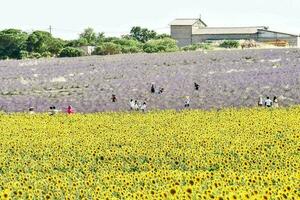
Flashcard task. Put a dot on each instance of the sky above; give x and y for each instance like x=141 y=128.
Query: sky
x=115 y=17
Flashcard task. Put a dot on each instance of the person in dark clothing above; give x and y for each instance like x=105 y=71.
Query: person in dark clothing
x=113 y=98
x=152 y=88
x=31 y=111
x=196 y=85
x=161 y=90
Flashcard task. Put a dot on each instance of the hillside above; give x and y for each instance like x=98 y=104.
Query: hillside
x=226 y=78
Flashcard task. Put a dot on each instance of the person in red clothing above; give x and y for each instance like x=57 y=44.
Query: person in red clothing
x=70 y=110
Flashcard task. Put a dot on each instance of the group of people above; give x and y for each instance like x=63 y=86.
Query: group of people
x=139 y=106
x=268 y=102
x=53 y=110
x=153 y=90
x=135 y=105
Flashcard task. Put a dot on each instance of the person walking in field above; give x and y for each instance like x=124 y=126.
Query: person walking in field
x=31 y=111
x=70 y=110
x=196 y=85
x=136 y=105
x=131 y=104
x=152 y=88
x=143 y=107
x=53 y=110
x=187 y=102
x=113 y=98
x=260 y=102
x=161 y=90
x=268 y=102
x=275 y=102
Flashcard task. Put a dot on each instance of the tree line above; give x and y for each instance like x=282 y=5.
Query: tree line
x=17 y=44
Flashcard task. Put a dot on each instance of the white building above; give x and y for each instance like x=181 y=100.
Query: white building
x=193 y=31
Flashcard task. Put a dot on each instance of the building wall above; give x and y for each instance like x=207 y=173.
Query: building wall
x=88 y=50
x=183 y=35
x=265 y=36
x=203 y=38
x=198 y=25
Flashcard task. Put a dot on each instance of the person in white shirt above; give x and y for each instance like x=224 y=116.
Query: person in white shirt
x=187 y=102
x=53 y=110
x=275 y=103
x=131 y=103
x=260 y=102
x=136 y=105
x=143 y=107
x=268 y=102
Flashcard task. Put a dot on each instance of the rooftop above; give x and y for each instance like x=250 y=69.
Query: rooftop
x=185 y=22
x=228 y=30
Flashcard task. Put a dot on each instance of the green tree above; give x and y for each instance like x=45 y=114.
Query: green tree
x=77 y=43
x=100 y=38
x=42 y=42
x=161 y=36
x=56 y=45
x=89 y=35
x=142 y=34
x=12 y=42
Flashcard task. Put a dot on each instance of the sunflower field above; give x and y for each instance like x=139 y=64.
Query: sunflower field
x=228 y=154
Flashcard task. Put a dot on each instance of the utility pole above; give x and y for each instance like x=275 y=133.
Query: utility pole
x=50 y=29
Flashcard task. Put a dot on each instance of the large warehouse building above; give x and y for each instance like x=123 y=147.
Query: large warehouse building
x=193 y=31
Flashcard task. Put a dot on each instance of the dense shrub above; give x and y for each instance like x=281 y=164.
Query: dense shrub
x=230 y=44
x=33 y=55
x=71 y=52
x=24 y=54
x=108 y=48
x=161 y=45
x=47 y=54
x=129 y=45
x=194 y=47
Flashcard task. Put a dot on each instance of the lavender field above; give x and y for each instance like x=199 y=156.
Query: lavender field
x=226 y=79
